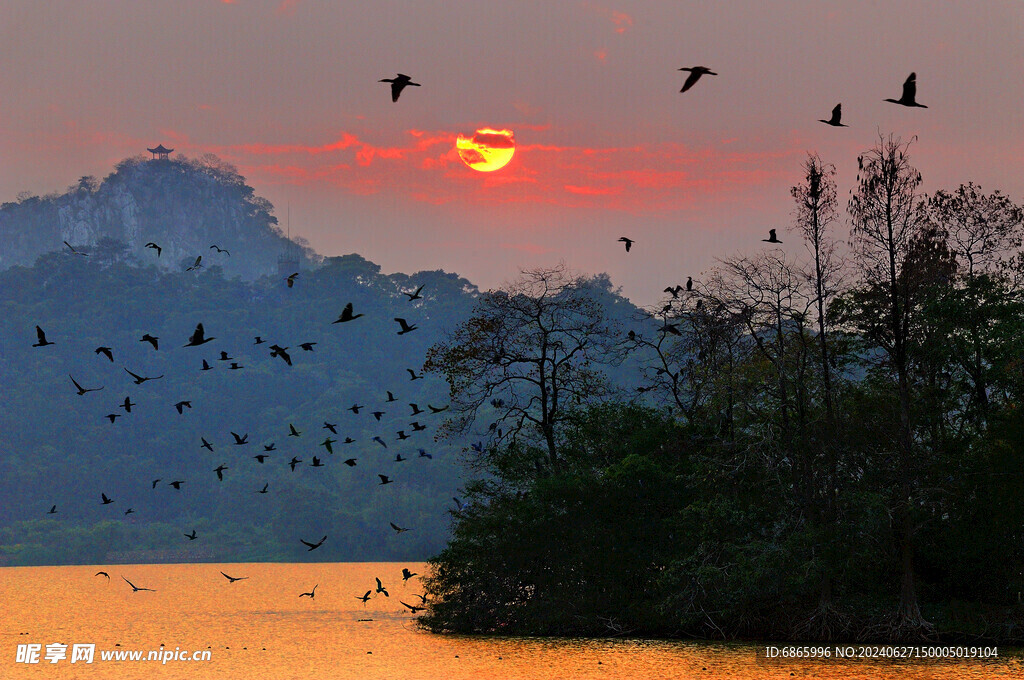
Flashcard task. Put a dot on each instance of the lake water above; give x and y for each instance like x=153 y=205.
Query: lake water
x=260 y=629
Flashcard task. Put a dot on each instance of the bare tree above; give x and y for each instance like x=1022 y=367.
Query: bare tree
x=530 y=352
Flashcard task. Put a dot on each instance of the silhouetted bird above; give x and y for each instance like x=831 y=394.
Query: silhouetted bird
x=346 y=315
x=327 y=444
x=675 y=291
x=265 y=486
x=72 y=249
x=259 y=340
x=293 y=462
x=198 y=264
x=391 y=397
x=52 y=510
x=83 y=390
x=106 y=501
x=191 y=536
x=220 y=471
x=291 y=279
x=402 y=436
x=406 y=328
x=398 y=83
x=307 y=346
x=313 y=546
x=207 y=445
x=424 y=454
x=224 y=357
x=416 y=427
x=458 y=503
x=695 y=73
x=176 y=484
x=412 y=608
x=232 y=579
x=240 y=440
x=435 y=409
x=381 y=588
x=399 y=459
x=398 y=530
x=292 y=432
x=330 y=426
x=384 y=479
x=112 y=416
x=689 y=283
x=135 y=588
x=772 y=238
x=198 y=337
x=206 y=366
x=378 y=414
x=219 y=250
x=909 y=97
x=155 y=482
x=365 y=597
x=181 y=405
x=270 y=447
x=235 y=366
x=139 y=379
x=628 y=241
x=261 y=457
x=351 y=462
x=278 y=351
x=151 y=339
x=348 y=440
x=380 y=441
x=105 y=351
x=316 y=462
x=415 y=295
x=42 y=341
x=155 y=247
x=837 y=115
x=413 y=376
x=354 y=408
x=102 y=573
x=311 y=594
x=129 y=511
x=416 y=410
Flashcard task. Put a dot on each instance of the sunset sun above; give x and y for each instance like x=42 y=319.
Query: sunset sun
x=487 y=150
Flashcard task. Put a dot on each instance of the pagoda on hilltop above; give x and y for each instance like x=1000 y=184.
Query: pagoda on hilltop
x=160 y=152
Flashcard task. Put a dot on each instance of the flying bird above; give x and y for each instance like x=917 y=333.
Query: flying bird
x=206 y=366
x=207 y=445
x=365 y=597
x=177 y=484
x=52 y=510
x=435 y=409
x=354 y=408
x=412 y=608
x=695 y=73
x=415 y=295
x=327 y=445
x=384 y=479
x=412 y=374
x=42 y=338
x=83 y=390
x=259 y=340
x=129 y=511
x=260 y=457
x=837 y=114
x=198 y=264
x=307 y=346
x=181 y=405
x=240 y=440
x=139 y=379
x=311 y=594
x=151 y=339
x=909 y=97
x=278 y=351
x=220 y=471
x=424 y=454
x=330 y=426
x=406 y=328
x=135 y=588
x=235 y=366
x=398 y=529
x=102 y=573
x=105 y=351
x=270 y=447
x=346 y=315
x=398 y=84
x=316 y=462
x=219 y=250
x=106 y=501
x=380 y=587
x=293 y=462
x=416 y=410
x=772 y=238
x=191 y=536
x=351 y=462
x=399 y=459
x=224 y=357
x=155 y=247
x=232 y=579
x=380 y=441
x=292 y=432
x=628 y=241
x=72 y=248
x=313 y=546
x=155 y=482
x=198 y=337
x=265 y=486
x=392 y=397
x=112 y=416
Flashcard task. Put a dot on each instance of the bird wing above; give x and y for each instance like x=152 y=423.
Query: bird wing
x=396 y=89
x=76 y=383
x=837 y=114
x=691 y=80
x=40 y=334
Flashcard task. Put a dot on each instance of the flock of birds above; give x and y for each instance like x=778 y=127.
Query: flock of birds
x=199 y=338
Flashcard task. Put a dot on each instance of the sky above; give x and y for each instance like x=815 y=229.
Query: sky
x=606 y=145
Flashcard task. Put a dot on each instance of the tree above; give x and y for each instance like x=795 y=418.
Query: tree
x=887 y=215
x=529 y=352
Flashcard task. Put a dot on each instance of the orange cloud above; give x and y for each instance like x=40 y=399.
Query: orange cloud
x=620 y=20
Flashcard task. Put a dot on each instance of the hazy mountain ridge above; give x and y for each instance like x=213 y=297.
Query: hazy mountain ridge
x=183 y=205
